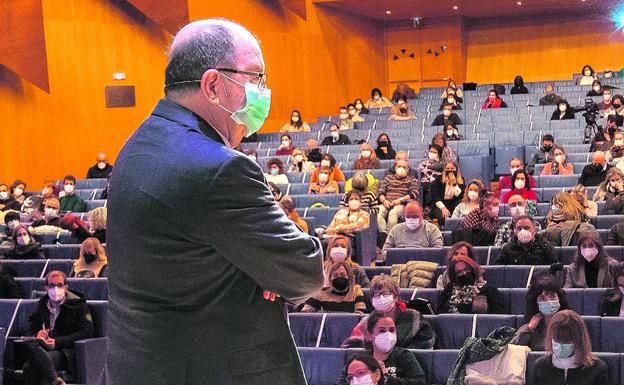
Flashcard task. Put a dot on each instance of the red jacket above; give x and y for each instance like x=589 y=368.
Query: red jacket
x=504 y=182
x=526 y=194
x=497 y=103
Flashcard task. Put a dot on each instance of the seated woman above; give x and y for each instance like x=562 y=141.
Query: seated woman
x=92 y=262
x=580 y=193
x=344 y=295
x=324 y=184
x=362 y=368
x=611 y=305
x=447 y=152
x=348 y=221
x=339 y=251
x=452 y=89
x=612 y=186
x=24 y=245
x=569 y=358
x=527 y=246
x=515 y=164
x=400 y=366
x=588 y=76
x=359 y=107
x=367 y=160
x=494 y=101
x=467 y=291
x=286 y=147
x=384 y=148
x=452 y=133
x=299 y=162
x=592 y=266
x=335 y=173
x=287 y=204
x=447 y=191
x=296 y=123
x=596 y=89
x=4 y=197
x=519 y=87
x=559 y=165
x=276 y=172
x=16 y=195
x=366 y=184
x=413 y=331
x=563 y=111
x=459 y=248
x=485 y=217
x=377 y=100
x=354 y=114
x=402 y=111
x=430 y=169
x=566 y=220
x=450 y=100
x=544 y=298
x=521 y=187
x=470 y=201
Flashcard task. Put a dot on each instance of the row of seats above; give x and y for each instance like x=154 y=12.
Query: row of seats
x=600 y=222
x=323 y=366
x=92 y=288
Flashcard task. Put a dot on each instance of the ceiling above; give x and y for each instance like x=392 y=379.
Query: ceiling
x=471 y=9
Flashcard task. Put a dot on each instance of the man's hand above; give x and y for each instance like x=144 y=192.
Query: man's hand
x=42 y=334
x=51 y=342
x=269 y=296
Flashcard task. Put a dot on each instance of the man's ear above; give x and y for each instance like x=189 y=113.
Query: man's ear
x=208 y=86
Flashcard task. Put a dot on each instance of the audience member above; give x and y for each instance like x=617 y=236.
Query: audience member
x=51 y=214
x=520 y=187
x=544 y=299
x=350 y=220
x=588 y=75
x=61 y=318
x=49 y=190
x=345 y=122
x=515 y=164
x=447 y=191
x=611 y=187
x=616 y=234
x=543 y=155
x=287 y=204
x=447 y=117
x=4 y=197
x=384 y=148
x=452 y=133
x=616 y=109
x=363 y=368
x=354 y=114
x=339 y=250
x=580 y=194
x=559 y=165
x=92 y=262
x=527 y=246
x=415 y=232
x=25 y=246
x=403 y=91
x=359 y=107
x=563 y=111
x=8 y=286
x=462 y=248
x=395 y=190
x=600 y=142
x=519 y=87
x=596 y=90
x=377 y=100
x=286 y=147
x=452 y=89
x=615 y=205
x=368 y=159
x=485 y=217
x=452 y=100
x=517 y=208
x=330 y=162
x=594 y=173
x=467 y=291
x=494 y=101
x=16 y=195
x=566 y=220
x=344 y=295
x=470 y=201
x=607 y=99
x=101 y=169
x=97 y=223
x=70 y=202
x=296 y=124
x=335 y=137
x=275 y=173
x=569 y=358
x=324 y=184
x=11 y=222
x=366 y=184
x=314 y=152
x=592 y=267
x=550 y=99
x=447 y=152
x=611 y=304
x=413 y=331
x=299 y=162
x=402 y=111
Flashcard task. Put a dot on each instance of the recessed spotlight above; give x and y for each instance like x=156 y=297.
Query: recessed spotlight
x=455 y=7
x=519 y=3
x=388 y=12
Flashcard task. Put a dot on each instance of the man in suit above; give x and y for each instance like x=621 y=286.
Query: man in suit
x=195 y=236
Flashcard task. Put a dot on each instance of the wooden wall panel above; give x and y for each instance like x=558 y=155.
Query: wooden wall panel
x=171 y=15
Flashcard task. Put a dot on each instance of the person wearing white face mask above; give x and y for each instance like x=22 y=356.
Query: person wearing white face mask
x=367 y=160
x=527 y=246
x=413 y=331
x=339 y=250
x=612 y=304
x=362 y=369
x=71 y=202
x=24 y=245
x=592 y=267
x=5 y=199
x=299 y=162
x=61 y=318
x=522 y=188
x=569 y=358
x=101 y=169
x=447 y=116
x=377 y=100
x=335 y=137
x=415 y=232
x=349 y=220
x=596 y=90
x=394 y=191
x=345 y=122
x=324 y=183
x=470 y=201
x=399 y=365
x=286 y=147
x=588 y=76
x=559 y=164
x=515 y=164
x=563 y=111
x=607 y=100
x=296 y=123
x=51 y=214
x=517 y=207
x=16 y=195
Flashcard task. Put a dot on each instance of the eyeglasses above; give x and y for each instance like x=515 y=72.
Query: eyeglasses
x=262 y=77
x=358 y=374
x=51 y=285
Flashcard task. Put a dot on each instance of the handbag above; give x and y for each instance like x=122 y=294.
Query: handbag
x=506 y=368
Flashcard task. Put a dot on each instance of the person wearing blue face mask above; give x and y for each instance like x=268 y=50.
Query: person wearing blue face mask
x=275 y=173
x=193 y=231
x=569 y=358
x=544 y=299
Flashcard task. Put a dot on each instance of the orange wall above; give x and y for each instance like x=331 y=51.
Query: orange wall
x=314 y=65
x=542 y=49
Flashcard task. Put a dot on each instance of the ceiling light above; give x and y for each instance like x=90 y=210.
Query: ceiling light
x=388 y=12
x=519 y=3
x=455 y=7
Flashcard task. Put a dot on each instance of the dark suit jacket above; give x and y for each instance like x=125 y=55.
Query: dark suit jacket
x=194 y=237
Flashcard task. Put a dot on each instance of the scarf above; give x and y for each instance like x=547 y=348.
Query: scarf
x=463 y=295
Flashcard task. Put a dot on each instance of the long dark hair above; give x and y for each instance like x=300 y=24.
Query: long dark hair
x=547 y=284
x=300 y=122
x=594 y=237
x=387 y=136
x=368 y=360
x=527 y=184
x=587 y=66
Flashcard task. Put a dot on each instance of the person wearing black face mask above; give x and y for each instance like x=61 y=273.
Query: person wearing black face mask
x=544 y=155
x=467 y=291
x=384 y=148
x=92 y=262
x=343 y=295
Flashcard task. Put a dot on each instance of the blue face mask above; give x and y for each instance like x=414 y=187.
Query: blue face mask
x=562 y=350
x=274 y=171
x=256 y=109
x=548 y=307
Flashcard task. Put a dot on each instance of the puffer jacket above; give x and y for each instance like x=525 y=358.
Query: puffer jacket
x=414 y=274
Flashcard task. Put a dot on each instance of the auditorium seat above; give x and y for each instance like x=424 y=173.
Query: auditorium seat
x=322 y=366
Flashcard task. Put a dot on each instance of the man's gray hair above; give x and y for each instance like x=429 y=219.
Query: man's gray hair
x=211 y=48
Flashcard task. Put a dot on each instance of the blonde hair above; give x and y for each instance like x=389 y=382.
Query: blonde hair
x=570 y=208
x=97 y=218
x=298 y=151
x=460 y=179
x=366 y=146
x=477 y=182
x=95 y=266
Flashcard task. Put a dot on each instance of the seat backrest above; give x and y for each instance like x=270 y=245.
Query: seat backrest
x=436 y=255
x=99 y=312
x=7 y=309
x=305 y=328
x=442 y=364
x=25 y=268
x=62 y=251
x=611 y=340
x=338 y=327
x=322 y=366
